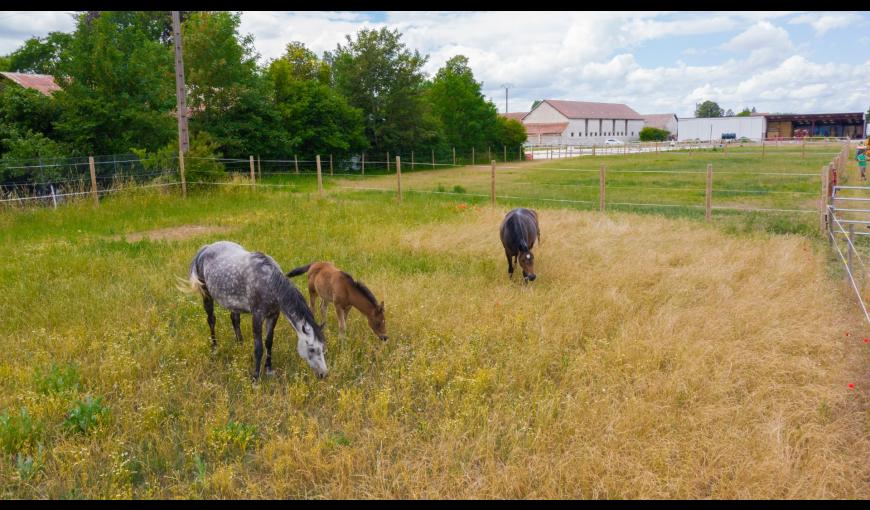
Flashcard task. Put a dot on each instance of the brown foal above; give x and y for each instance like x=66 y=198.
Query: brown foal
x=337 y=287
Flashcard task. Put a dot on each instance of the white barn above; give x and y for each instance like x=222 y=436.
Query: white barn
x=712 y=128
x=579 y=122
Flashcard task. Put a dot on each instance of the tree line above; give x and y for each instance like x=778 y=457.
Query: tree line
x=117 y=77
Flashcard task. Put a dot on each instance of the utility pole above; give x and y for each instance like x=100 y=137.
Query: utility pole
x=506 y=86
x=181 y=104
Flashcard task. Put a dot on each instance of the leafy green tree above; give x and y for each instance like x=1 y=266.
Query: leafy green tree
x=227 y=94
x=509 y=132
x=28 y=109
x=381 y=77
x=652 y=134
x=121 y=85
x=468 y=120
x=300 y=64
x=41 y=55
x=200 y=164
x=744 y=113
x=708 y=109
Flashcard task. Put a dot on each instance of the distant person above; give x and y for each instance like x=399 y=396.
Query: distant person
x=861 y=157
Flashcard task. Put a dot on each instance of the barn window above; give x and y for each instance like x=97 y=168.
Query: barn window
x=572 y=134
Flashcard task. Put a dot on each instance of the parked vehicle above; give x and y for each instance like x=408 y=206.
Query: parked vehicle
x=612 y=141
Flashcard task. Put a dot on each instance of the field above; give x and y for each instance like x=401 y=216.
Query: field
x=656 y=356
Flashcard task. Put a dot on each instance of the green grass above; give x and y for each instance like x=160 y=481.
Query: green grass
x=654 y=357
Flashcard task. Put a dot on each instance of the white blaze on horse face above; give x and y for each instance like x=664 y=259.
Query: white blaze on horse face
x=310 y=349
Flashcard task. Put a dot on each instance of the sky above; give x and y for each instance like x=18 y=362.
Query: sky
x=655 y=62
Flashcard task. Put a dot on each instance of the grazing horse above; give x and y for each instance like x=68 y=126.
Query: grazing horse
x=337 y=287
x=246 y=282
x=519 y=231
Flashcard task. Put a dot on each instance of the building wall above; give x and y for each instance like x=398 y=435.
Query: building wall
x=700 y=128
x=544 y=113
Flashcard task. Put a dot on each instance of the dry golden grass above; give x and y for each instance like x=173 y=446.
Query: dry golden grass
x=652 y=358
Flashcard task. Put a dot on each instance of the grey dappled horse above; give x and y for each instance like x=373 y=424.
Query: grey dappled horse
x=246 y=282
x=518 y=232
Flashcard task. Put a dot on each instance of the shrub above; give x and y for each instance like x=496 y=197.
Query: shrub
x=17 y=431
x=85 y=414
x=234 y=437
x=199 y=162
x=56 y=379
x=651 y=134
x=458 y=189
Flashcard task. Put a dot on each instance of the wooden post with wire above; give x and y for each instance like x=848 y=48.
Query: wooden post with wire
x=412 y=160
x=180 y=170
x=454 y=156
x=259 y=168
x=492 y=189
x=94 y=179
x=708 y=196
x=433 y=158
x=296 y=163
x=319 y=177
x=330 y=164
x=472 y=156
x=363 y=163
x=823 y=200
x=505 y=153
x=602 y=174
x=399 y=176
x=253 y=176
x=388 y=162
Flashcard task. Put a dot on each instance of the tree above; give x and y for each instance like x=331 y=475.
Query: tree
x=753 y=109
x=651 y=134
x=121 y=85
x=467 y=119
x=708 y=109
x=729 y=113
x=535 y=103
x=745 y=113
x=227 y=95
x=41 y=55
x=377 y=74
x=510 y=132
x=299 y=63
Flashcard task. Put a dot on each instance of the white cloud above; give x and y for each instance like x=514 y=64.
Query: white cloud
x=821 y=23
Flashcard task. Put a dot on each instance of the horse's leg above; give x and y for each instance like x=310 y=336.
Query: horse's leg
x=341 y=312
x=324 y=308
x=237 y=325
x=270 y=331
x=257 y=322
x=510 y=266
x=208 y=304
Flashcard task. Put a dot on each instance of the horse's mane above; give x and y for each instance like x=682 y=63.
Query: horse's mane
x=519 y=237
x=360 y=286
x=289 y=297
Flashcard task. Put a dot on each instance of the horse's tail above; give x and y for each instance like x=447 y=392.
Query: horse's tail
x=193 y=284
x=299 y=270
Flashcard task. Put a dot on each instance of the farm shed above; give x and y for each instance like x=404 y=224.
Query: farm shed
x=849 y=125
x=584 y=122
x=43 y=83
x=666 y=121
x=712 y=128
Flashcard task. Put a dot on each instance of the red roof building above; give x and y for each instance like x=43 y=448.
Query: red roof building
x=43 y=83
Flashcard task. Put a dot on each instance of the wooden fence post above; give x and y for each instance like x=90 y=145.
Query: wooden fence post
x=489 y=152
x=330 y=164
x=454 y=156
x=492 y=190
x=412 y=160
x=399 y=176
x=296 y=163
x=181 y=170
x=319 y=177
x=364 y=163
x=601 y=186
x=433 y=158
x=472 y=156
x=259 y=168
x=253 y=177
x=823 y=200
x=708 y=200
x=388 y=162
x=94 y=179
x=53 y=197
x=505 y=153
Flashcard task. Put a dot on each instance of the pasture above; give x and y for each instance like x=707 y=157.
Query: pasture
x=656 y=356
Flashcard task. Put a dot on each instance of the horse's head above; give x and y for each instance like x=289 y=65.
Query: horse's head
x=378 y=323
x=312 y=347
x=527 y=263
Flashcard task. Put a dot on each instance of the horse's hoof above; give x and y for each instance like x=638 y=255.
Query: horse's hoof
x=270 y=372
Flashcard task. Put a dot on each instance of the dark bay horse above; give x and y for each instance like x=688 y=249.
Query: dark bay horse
x=337 y=287
x=519 y=231
x=246 y=282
